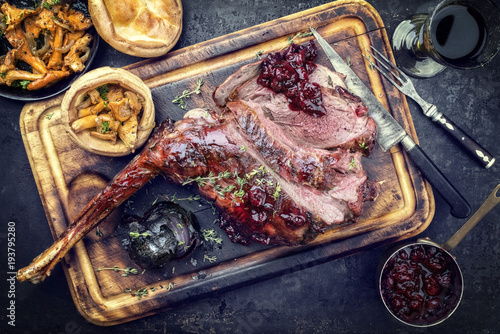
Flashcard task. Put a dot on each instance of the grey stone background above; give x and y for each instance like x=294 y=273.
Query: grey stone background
x=336 y=297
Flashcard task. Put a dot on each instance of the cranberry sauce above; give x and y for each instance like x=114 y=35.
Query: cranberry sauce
x=421 y=284
x=288 y=73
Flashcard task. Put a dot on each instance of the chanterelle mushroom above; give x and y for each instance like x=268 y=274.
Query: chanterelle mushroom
x=50 y=39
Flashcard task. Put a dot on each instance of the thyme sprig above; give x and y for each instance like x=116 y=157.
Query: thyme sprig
x=210 y=259
x=291 y=39
x=210 y=235
x=180 y=99
x=237 y=191
x=143 y=292
x=136 y=234
x=277 y=192
x=126 y=271
x=175 y=199
x=348 y=61
x=352 y=164
x=212 y=179
x=140 y=293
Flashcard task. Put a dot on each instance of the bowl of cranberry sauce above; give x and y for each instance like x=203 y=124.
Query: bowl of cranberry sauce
x=421 y=284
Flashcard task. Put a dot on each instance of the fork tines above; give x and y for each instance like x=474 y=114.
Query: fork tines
x=389 y=71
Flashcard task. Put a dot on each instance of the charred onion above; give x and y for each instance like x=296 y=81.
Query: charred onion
x=166 y=232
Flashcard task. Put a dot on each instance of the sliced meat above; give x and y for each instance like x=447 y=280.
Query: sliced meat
x=345 y=125
x=263 y=166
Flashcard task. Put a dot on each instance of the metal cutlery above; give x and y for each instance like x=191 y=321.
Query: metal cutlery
x=390 y=133
x=404 y=84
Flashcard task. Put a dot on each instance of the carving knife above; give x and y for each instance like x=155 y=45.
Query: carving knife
x=390 y=133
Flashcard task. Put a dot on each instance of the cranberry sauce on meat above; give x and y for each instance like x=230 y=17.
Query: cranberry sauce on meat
x=343 y=123
x=288 y=73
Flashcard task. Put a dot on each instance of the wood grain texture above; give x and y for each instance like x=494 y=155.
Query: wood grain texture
x=66 y=176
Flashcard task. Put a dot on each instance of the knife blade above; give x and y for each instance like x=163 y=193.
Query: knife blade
x=390 y=132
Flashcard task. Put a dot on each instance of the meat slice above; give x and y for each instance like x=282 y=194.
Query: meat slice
x=316 y=168
x=244 y=74
x=345 y=124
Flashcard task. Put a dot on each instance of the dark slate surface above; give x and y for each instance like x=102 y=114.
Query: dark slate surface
x=336 y=297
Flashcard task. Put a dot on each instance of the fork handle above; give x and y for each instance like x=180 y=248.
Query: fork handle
x=462 y=138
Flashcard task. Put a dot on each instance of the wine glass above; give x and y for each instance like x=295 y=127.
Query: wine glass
x=462 y=34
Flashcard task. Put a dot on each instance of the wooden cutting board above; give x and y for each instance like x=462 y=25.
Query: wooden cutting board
x=67 y=177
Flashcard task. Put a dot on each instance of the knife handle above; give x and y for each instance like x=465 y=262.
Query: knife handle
x=462 y=138
x=460 y=208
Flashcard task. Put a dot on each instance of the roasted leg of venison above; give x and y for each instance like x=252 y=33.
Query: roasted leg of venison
x=282 y=198
x=277 y=175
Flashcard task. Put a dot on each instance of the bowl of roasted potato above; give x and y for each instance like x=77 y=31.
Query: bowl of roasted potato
x=44 y=47
x=108 y=111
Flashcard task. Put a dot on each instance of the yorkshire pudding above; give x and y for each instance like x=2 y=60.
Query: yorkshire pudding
x=138 y=27
x=108 y=111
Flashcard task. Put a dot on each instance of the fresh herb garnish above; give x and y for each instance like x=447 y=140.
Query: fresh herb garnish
x=143 y=292
x=211 y=178
x=254 y=172
x=277 y=192
x=258 y=54
x=211 y=236
x=21 y=84
x=330 y=81
x=236 y=191
x=140 y=293
x=299 y=34
x=291 y=38
x=348 y=61
x=126 y=271
x=190 y=198
x=352 y=164
x=103 y=91
x=105 y=127
x=210 y=259
x=135 y=234
x=179 y=99
x=49 y=3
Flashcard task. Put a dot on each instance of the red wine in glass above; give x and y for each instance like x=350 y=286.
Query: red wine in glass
x=460 y=34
